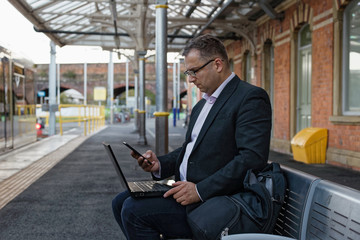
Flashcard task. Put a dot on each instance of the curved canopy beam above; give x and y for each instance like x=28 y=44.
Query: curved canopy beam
x=130 y=24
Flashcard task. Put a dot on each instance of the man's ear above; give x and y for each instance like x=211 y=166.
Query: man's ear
x=219 y=64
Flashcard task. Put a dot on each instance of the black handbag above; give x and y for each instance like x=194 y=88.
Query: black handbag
x=253 y=210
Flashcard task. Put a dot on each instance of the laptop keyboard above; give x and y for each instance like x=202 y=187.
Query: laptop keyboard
x=147 y=186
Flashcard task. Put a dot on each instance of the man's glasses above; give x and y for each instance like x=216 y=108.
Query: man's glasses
x=193 y=72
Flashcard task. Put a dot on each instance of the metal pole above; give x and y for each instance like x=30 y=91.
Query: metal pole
x=127 y=84
x=85 y=83
x=161 y=114
x=174 y=94
x=141 y=112
x=136 y=96
x=9 y=98
x=111 y=87
x=178 y=90
x=52 y=89
x=58 y=84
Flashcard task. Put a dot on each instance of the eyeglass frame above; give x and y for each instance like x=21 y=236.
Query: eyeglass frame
x=192 y=73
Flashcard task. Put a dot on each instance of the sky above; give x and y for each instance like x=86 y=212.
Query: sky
x=17 y=34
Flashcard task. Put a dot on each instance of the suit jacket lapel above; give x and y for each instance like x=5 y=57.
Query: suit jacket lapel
x=220 y=101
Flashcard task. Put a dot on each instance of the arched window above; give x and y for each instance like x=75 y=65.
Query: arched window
x=231 y=62
x=268 y=73
x=351 y=59
x=304 y=78
x=247 y=66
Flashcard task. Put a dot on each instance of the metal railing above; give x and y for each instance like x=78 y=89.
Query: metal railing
x=92 y=116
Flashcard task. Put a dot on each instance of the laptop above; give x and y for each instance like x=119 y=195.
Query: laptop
x=138 y=189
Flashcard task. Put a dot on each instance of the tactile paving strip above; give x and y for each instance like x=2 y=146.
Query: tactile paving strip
x=16 y=184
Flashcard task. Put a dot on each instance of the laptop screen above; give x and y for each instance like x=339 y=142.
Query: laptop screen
x=113 y=159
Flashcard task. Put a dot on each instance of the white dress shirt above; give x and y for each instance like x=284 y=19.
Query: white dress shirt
x=210 y=100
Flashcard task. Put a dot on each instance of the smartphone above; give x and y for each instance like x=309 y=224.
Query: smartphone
x=136 y=152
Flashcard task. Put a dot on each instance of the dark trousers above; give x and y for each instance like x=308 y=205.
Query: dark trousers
x=147 y=218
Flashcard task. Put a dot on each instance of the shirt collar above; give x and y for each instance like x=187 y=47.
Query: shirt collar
x=211 y=99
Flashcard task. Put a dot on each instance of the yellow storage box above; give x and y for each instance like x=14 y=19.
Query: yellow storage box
x=309 y=145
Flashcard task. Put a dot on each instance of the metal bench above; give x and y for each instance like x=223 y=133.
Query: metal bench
x=314 y=209
x=334 y=213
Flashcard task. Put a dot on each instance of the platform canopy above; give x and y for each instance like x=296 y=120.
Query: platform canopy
x=130 y=24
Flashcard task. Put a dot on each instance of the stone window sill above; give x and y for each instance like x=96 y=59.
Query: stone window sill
x=345 y=120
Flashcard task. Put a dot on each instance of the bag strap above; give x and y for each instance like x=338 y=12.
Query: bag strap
x=275 y=166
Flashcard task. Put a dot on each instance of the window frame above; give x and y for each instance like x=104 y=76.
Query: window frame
x=346 y=60
x=303 y=29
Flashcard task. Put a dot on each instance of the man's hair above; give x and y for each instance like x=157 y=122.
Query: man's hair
x=208 y=46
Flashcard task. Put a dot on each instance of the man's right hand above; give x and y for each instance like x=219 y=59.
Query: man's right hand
x=150 y=164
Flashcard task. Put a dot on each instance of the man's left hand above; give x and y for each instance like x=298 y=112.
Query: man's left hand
x=184 y=193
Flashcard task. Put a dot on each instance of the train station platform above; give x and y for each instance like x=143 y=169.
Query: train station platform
x=65 y=192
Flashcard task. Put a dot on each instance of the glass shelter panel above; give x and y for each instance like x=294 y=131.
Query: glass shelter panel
x=24 y=116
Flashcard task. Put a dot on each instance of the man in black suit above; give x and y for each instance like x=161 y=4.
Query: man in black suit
x=228 y=134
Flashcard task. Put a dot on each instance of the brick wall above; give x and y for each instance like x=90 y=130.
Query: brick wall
x=343 y=137
x=281 y=106
x=72 y=77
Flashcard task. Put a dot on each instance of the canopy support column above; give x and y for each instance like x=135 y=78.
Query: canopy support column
x=161 y=114
x=142 y=112
x=52 y=90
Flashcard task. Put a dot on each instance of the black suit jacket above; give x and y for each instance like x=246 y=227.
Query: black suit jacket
x=235 y=137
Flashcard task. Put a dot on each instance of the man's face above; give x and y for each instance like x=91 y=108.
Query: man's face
x=207 y=78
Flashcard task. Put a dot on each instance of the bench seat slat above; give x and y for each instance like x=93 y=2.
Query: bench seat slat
x=290 y=218
x=334 y=212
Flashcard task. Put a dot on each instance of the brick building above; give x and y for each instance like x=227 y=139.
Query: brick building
x=72 y=77
x=309 y=64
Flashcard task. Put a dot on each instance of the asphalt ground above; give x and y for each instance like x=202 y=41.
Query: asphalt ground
x=73 y=199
